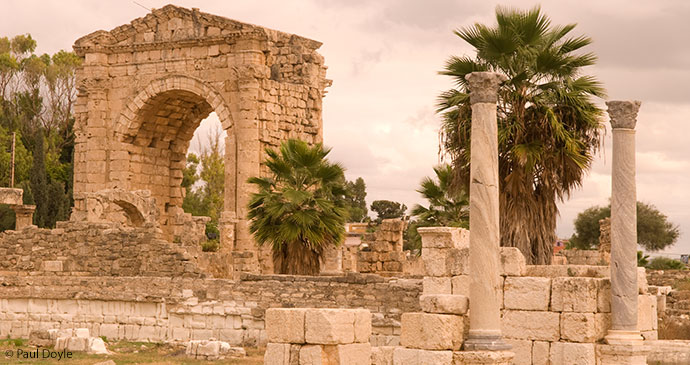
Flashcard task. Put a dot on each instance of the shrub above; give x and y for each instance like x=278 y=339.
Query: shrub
x=212 y=232
x=210 y=245
x=665 y=263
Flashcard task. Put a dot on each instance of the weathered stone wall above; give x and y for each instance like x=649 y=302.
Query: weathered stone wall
x=385 y=254
x=93 y=249
x=144 y=87
x=583 y=257
x=180 y=309
x=673 y=301
x=553 y=313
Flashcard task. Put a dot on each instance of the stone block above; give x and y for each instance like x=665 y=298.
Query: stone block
x=285 y=325
x=431 y=331
x=540 y=353
x=405 y=356
x=527 y=293
x=435 y=261
x=53 y=266
x=650 y=335
x=277 y=354
x=630 y=355
x=512 y=262
x=329 y=326
x=522 y=350
x=436 y=285
x=483 y=357
x=444 y=303
x=578 y=327
x=444 y=237
x=529 y=325
x=566 y=353
x=575 y=294
x=349 y=354
x=460 y=285
x=362 y=325
x=457 y=261
x=382 y=355
x=604 y=295
x=312 y=355
x=602 y=324
x=646 y=312
x=642 y=286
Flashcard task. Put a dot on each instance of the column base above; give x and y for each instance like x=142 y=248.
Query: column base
x=622 y=354
x=485 y=342
x=623 y=337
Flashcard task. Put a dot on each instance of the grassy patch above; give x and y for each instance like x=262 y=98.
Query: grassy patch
x=682 y=284
x=124 y=352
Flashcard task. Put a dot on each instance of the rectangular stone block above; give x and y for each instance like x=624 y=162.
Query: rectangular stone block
x=362 y=325
x=405 y=356
x=527 y=293
x=460 y=285
x=285 y=325
x=512 y=262
x=329 y=326
x=435 y=261
x=436 y=285
x=350 y=354
x=522 y=350
x=431 y=331
x=574 y=294
x=444 y=303
x=529 y=325
x=540 y=352
x=646 y=312
x=458 y=261
x=277 y=354
x=602 y=324
x=382 y=355
x=444 y=237
x=483 y=357
x=53 y=266
x=566 y=353
x=604 y=295
x=578 y=327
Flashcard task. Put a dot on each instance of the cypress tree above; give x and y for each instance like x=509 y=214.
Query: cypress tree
x=39 y=182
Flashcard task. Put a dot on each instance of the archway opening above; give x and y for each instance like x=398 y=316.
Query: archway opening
x=158 y=142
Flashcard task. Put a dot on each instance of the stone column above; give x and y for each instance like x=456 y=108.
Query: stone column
x=24 y=215
x=624 y=288
x=485 y=309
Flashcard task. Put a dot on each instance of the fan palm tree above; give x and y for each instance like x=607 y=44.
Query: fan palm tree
x=299 y=209
x=447 y=208
x=548 y=127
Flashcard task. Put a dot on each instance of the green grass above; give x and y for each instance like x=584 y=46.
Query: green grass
x=125 y=353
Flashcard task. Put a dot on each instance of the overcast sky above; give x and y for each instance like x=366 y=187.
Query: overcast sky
x=383 y=57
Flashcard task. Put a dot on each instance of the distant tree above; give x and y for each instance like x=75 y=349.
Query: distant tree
x=386 y=209
x=39 y=183
x=665 y=263
x=355 y=200
x=299 y=209
x=447 y=207
x=654 y=231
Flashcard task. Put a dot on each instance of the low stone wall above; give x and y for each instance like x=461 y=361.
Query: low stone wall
x=583 y=257
x=182 y=309
x=93 y=249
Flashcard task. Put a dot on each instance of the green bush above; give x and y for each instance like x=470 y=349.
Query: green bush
x=210 y=246
x=212 y=231
x=665 y=263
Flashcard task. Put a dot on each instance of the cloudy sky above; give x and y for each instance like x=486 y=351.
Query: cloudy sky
x=384 y=56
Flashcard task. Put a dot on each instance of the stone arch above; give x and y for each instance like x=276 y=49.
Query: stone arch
x=155 y=129
x=136 y=207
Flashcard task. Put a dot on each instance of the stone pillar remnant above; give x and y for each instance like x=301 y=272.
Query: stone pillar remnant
x=624 y=288
x=485 y=309
x=24 y=215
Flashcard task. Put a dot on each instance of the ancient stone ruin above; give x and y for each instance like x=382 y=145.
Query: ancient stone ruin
x=128 y=264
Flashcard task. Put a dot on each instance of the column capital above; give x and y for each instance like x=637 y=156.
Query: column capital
x=623 y=113
x=484 y=86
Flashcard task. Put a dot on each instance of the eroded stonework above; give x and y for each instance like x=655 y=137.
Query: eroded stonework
x=144 y=87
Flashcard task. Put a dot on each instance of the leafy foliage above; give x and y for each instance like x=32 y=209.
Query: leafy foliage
x=642 y=259
x=355 y=200
x=300 y=208
x=665 y=263
x=386 y=209
x=204 y=181
x=37 y=94
x=447 y=207
x=654 y=231
x=548 y=126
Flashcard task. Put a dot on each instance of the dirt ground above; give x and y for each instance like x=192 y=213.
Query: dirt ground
x=16 y=352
